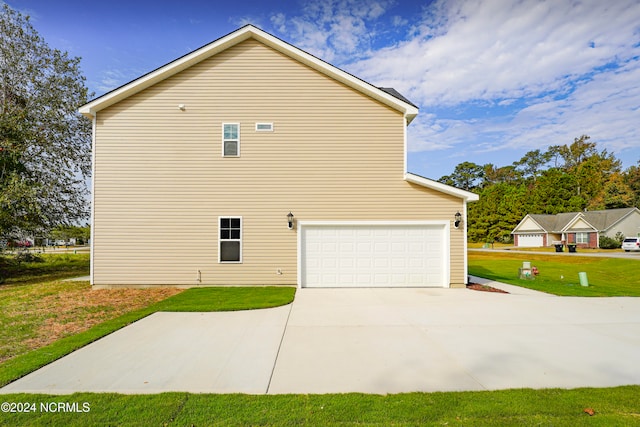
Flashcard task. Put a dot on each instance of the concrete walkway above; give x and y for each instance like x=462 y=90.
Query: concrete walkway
x=365 y=340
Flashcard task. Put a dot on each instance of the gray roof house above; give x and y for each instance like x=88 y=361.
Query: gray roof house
x=581 y=228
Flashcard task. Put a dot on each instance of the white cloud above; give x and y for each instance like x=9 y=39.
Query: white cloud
x=492 y=75
x=606 y=107
x=487 y=49
x=334 y=30
x=112 y=79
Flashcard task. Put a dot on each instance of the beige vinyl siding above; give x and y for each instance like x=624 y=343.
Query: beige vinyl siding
x=161 y=181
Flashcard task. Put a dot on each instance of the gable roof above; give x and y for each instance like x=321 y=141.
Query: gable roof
x=579 y=223
x=599 y=220
x=389 y=97
x=603 y=220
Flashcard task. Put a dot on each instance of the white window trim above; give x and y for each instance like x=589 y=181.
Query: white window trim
x=582 y=234
x=270 y=124
x=237 y=140
x=230 y=240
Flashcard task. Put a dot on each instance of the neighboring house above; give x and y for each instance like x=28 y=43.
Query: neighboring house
x=198 y=164
x=581 y=228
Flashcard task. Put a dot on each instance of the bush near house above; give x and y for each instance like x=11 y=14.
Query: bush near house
x=606 y=242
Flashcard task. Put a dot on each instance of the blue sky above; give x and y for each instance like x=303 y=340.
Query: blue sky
x=493 y=78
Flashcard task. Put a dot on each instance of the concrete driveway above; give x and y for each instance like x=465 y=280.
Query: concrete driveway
x=364 y=340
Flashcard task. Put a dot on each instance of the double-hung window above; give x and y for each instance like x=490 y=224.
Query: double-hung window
x=230 y=238
x=231 y=139
x=582 y=237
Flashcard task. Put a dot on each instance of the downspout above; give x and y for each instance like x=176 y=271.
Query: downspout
x=404 y=135
x=93 y=196
x=466 y=253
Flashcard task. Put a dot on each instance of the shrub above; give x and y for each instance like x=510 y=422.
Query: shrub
x=609 y=243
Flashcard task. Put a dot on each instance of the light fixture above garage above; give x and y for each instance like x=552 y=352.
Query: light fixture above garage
x=290 y=220
x=457 y=219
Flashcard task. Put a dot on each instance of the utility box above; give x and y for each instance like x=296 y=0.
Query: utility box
x=526 y=272
x=583 y=278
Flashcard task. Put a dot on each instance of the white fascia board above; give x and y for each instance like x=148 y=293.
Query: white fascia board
x=567 y=228
x=515 y=230
x=164 y=72
x=467 y=196
x=238 y=36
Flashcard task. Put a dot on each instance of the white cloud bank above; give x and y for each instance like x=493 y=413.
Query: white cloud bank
x=492 y=74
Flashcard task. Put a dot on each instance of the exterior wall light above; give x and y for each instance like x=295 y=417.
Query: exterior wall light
x=290 y=220
x=457 y=220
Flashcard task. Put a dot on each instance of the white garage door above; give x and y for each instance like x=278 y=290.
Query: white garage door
x=529 y=240
x=368 y=255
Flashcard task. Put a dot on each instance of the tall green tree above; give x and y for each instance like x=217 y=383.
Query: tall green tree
x=45 y=145
x=576 y=153
x=615 y=194
x=632 y=180
x=500 y=208
x=565 y=178
x=532 y=163
x=466 y=175
x=556 y=191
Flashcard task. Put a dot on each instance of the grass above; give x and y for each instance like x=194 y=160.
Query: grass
x=34 y=315
x=49 y=267
x=227 y=299
x=552 y=407
x=196 y=299
x=559 y=274
x=617 y=406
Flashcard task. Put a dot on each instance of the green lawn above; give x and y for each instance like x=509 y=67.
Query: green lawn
x=227 y=299
x=196 y=299
x=617 y=406
x=48 y=267
x=559 y=274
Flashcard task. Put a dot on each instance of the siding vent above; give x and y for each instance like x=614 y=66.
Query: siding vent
x=264 y=127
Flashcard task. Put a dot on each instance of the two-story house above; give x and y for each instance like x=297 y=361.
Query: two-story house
x=251 y=162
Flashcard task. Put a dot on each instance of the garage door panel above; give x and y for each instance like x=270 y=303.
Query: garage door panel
x=379 y=256
x=530 y=240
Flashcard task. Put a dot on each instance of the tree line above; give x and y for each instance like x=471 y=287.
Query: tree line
x=564 y=178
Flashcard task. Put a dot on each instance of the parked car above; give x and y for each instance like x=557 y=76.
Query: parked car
x=631 y=244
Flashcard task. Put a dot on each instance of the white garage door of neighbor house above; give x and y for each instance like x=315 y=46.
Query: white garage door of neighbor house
x=374 y=255
x=529 y=240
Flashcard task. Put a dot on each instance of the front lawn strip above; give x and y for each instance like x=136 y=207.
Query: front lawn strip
x=558 y=274
x=195 y=299
x=617 y=406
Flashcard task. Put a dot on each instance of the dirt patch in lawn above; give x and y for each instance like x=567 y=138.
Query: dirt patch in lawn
x=71 y=309
x=485 y=288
